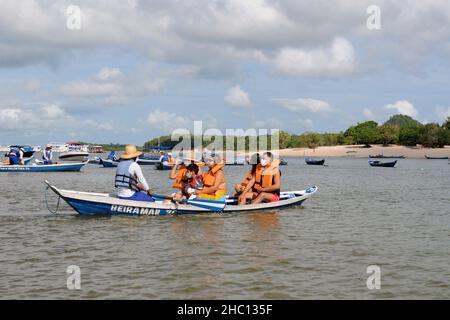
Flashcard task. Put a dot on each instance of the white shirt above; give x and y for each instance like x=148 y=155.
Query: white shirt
x=136 y=172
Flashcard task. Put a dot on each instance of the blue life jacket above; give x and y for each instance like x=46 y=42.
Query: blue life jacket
x=123 y=177
x=165 y=158
x=15 y=151
x=47 y=154
x=111 y=156
x=13 y=159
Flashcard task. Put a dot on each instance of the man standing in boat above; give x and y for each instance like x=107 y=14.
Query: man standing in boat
x=15 y=156
x=47 y=155
x=130 y=181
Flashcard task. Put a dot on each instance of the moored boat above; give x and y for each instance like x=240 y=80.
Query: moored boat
x=106 y=163
x=161 y=166
x=42 y=167
x=147 y=161
x=380 y=156
x=86 y=203
x=376 y=163
x=315 y=162
x=76 y=156
x=436 y=158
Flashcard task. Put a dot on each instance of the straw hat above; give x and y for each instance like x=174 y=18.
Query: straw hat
x=131 y=152
x=48 y=146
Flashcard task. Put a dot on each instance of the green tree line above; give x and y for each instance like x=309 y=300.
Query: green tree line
x=399 y=129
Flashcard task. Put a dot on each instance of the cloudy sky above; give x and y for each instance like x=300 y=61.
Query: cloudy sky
x=136 y=69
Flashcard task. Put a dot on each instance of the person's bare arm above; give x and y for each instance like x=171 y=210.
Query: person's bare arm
x=173 y=173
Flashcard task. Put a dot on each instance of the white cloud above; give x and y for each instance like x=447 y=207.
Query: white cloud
x=53 y=111
x=114 y=87
x=199 y=33
x=89 y=89
x=305 y=105
x=167 y=121
x=336 y=60
x=443 y=112
x=170 y=121
x=237 y=97
x=108 y=74
x=403 y=107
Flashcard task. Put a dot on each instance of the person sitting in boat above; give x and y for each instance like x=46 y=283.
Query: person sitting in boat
x=240 y=187
x=47 y=155
x=191 y=181
x=214 y=182
x=267 y=181
x=130 y=181
x=112 y=156
x=15 y=156
x=164 y=159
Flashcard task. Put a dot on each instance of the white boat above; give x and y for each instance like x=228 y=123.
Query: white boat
x=87 y=203
x=59 y=147
x=77 y=156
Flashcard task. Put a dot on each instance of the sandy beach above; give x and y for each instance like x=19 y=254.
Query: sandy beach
x=360 y=152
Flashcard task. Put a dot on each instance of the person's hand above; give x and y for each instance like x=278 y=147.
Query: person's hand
x=258 y=188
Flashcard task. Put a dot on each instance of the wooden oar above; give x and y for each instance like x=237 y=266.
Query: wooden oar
x=212 y=205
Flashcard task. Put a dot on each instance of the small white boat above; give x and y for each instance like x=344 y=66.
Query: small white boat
x=77 y=156
x=87 y=203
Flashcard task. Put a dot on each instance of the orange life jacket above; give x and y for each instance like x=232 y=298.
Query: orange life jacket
x=180 y=179
x=210 y=177
x=264 y=177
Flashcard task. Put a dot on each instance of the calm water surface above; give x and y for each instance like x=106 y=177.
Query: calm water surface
x=396 y=218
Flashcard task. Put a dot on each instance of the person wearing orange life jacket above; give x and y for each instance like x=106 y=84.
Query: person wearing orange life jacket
x=240 y=187
x=267 y=181
x=214 y=182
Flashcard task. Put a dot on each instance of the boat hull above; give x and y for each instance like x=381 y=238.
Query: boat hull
x=386 y=157
x=313 y=162
x=108 y=163
x=74 y=156
x=90 y=204
x=42 y=168
x=436 y=158
x=148 y=162
x=160 y=166
x=383 y=164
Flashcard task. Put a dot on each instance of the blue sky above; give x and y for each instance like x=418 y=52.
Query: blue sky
x=137 y=69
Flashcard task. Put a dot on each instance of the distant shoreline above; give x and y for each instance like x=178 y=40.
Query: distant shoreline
x=358 y=151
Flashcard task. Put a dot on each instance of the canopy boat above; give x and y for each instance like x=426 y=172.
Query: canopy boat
x=76 y=156
x=380 y=156
x=86 y=203
x=436 y=158
x=28 y=151
x=376 y=163
x=106 y=163
x=315 y=162
x=38 y=167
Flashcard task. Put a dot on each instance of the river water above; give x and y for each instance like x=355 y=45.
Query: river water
x=397 y=219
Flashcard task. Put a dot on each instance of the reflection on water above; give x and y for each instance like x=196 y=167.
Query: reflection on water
x=396 y=218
